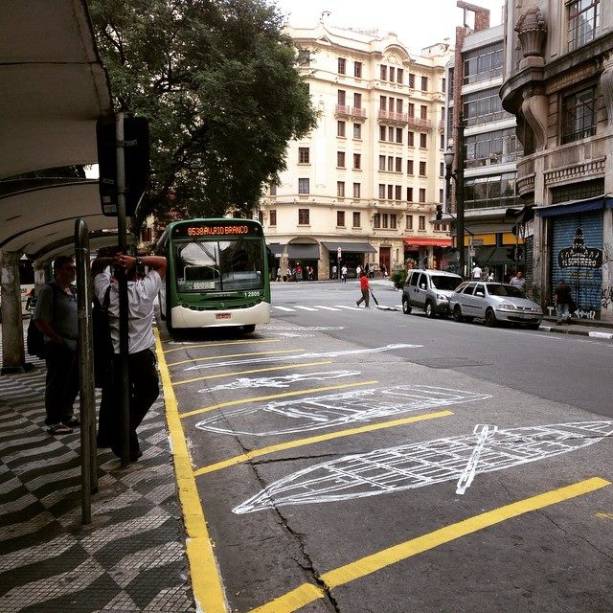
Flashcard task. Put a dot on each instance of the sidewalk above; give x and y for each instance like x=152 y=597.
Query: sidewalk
x=132 y=556
x=580 y=327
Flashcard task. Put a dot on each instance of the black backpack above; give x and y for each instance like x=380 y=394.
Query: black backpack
x=35 y=341
x=103 y=344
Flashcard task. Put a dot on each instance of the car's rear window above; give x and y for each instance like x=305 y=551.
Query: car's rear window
x=444 y=282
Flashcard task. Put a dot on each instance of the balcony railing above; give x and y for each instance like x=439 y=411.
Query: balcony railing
x=419 y=124
x=353 y=112
x=392 y=117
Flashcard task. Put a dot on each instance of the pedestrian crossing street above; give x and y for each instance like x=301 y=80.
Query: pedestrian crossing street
x=338 y=308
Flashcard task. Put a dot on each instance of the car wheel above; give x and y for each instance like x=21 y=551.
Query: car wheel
x=430 y=310
x=249 y=329
x=457 y=314
x=534 y=326
x=406 y=307
x=490 y=318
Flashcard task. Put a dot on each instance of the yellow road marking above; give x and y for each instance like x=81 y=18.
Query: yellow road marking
x=206 y=580
x=250 y=372
x=599 y=515
x=311 y=440
x=307 y=592
x=230 y=403
x=234 y=355
x=207 y=345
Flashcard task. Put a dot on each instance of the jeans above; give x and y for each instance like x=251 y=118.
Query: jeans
x=62 y=383
x=562 y=310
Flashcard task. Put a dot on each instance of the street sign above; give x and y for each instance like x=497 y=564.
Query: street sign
x=339 y=253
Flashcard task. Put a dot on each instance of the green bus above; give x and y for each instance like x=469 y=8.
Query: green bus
x=217 y=274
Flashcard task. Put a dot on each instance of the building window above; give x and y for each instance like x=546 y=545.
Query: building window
x=482 y=107
x=398 y=164
x=303 y=155
x=409 y=194
x=383 y=73
x=491 y=191
x=583 y=18
x=342 y=65
x=579 y=115
x=399 y=105
x=422 y=223
x=411 y=80
x=381 y=191
x=392 y=104
x=340 y=159
x=341 y=97
x=398 y=192
x=409 y=222
x=483 y=64
x=441 y=144
x=390 y=164
x=393 y=221
x=357 y=222
x=390 y=134
x=422 y=194
x=384 y=220
x=357 y=131
x=399 y=76
x=390 y=192
x=411 y=139
x=382 y=133
x=260 y=218
x=441 y=169
x=357 y=70
x=422 y=169
x=356 y=190
x=424 y=84
x=411 y=109
x=423 y=112
x=340 y=129
x=577 y=191
x=340 y=219
x=357 y=161
x=443 y=84
x=304 y=57
x=382 y=163
x=273 y=190
x=399 y=135
x=376 y=220
x=441 y=196
x=498 y=147
x=423 y=140
x=392 y=74
x=273 y=217
x=304 y=186
x=340 y=189
x=410 y=167
x=303 y=217
x=357 y=101
x=383 y=103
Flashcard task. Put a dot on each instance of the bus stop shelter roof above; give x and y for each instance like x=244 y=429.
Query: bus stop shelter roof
x=54 y=88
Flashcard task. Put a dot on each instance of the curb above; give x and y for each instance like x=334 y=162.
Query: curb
x=590 y=333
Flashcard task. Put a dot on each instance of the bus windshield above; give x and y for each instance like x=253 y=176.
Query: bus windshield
x=209 y=265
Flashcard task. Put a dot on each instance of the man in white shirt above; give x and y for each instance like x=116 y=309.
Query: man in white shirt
x=477 y=272
x=518 y=281
x=144 y=384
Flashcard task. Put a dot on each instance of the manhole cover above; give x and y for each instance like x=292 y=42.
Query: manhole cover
x=449 y=362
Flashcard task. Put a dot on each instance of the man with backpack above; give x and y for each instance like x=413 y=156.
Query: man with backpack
x=56 y=317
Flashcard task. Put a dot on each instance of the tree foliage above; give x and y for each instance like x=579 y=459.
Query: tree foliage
x=218 y=82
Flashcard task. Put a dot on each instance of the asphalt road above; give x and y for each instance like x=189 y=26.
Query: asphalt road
x=364 y=460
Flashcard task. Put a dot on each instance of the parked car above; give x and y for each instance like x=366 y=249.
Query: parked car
x=429 y=290
x=494 y=302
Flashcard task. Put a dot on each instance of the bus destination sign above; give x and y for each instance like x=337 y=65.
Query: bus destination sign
x=215 y=230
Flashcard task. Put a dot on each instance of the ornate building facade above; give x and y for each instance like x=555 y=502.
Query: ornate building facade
x=559 y=85
x=368 y=178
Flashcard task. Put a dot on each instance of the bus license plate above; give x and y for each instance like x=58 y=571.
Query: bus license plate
x=223 y=315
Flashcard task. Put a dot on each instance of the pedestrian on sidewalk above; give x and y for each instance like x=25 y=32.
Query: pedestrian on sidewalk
x=143 y=289
x=365 y=288
x=56 y=316
x=562 y=300
x=476 y=272
x=344 y=274
x=518 y=281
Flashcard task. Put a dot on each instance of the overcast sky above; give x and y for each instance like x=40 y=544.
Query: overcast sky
x=418 y=23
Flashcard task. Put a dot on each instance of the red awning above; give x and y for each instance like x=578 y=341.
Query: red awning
x=417 y=242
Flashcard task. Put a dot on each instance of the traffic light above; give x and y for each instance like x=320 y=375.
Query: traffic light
x=439 y=212
x=136 y=139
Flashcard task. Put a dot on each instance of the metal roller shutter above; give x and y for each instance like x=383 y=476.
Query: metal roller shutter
x=585 y=282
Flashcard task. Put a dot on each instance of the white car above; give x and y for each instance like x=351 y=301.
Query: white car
x=494 y=302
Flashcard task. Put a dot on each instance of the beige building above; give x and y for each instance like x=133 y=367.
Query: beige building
x=369 y=177
x=559 y=84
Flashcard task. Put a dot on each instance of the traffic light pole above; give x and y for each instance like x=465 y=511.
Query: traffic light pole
x=124 y=365
x=459 y=195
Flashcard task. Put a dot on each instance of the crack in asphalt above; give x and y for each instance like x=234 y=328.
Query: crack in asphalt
x=303 y=457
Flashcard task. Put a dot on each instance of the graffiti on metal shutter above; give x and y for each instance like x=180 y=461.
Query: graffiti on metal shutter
x=579 y=255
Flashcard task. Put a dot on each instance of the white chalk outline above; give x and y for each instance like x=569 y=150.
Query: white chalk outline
x=333 y=410
x=397 y=469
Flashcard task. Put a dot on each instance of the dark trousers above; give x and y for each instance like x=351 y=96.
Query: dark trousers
x=365 y=298
x=144 y=390
x=62 y=383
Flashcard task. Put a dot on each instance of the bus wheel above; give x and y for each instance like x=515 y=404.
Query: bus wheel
x=249 y=329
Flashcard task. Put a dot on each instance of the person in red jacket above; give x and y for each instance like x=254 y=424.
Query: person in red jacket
x=365 y=290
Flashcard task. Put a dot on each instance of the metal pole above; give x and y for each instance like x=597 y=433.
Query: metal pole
x=459 y=190
x=124 y=374
x=86 y=370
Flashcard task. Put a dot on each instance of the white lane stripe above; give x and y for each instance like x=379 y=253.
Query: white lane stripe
x=284 y=308
x=305 y=308
x=327 y=308
x=349 y=308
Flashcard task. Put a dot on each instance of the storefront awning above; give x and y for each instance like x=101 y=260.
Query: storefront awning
x=276 y=249
x=571 y=208
x=350 y=247
x=427 y=242
x=303 y=252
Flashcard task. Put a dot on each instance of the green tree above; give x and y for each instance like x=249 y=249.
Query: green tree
x=217 y=80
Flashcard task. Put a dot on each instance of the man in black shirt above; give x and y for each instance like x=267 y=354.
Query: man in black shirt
x=562 y=300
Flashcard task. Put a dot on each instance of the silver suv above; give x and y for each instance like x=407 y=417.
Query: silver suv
x=429 y=290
